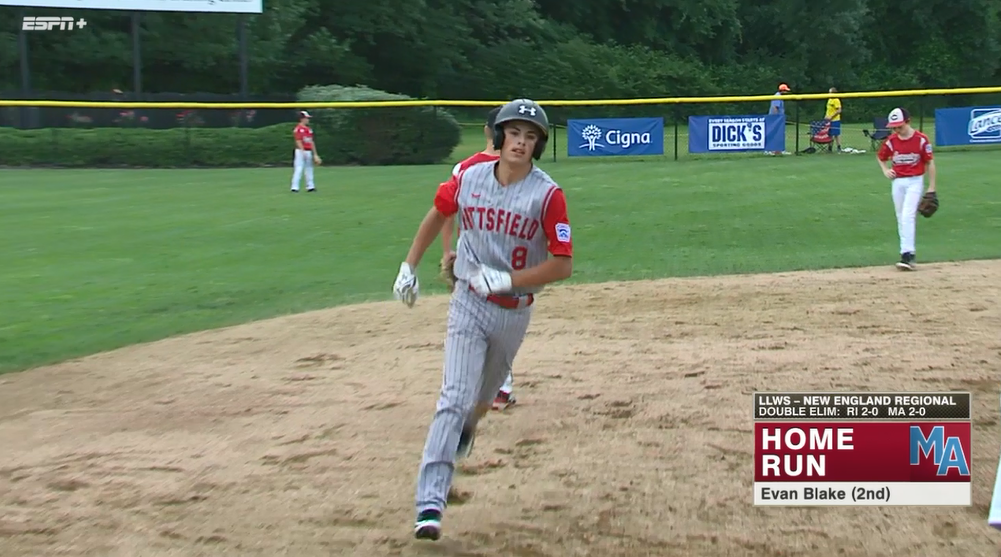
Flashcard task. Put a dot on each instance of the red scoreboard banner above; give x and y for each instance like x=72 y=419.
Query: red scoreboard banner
x=862 y=449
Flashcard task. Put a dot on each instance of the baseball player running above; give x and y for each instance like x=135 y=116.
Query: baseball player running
x=911 y=154
x=305 y=154
x=513 y=216
x=505 y=396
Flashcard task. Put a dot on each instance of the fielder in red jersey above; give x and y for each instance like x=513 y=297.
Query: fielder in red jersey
x=305 y=154
x=911 y=156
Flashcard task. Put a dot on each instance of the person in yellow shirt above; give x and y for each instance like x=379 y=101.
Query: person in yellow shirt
x=833 y=114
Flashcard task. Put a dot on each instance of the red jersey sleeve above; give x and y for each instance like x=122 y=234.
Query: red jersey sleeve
x=447 y=198
x=556 y=224
x=885 y=152
x=298 y=133
x=926 y=150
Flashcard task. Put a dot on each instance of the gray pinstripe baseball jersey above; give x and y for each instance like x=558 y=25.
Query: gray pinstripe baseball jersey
x=501 y=227
x=507 y=228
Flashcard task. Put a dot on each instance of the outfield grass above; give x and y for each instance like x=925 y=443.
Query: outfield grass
x=99 y=259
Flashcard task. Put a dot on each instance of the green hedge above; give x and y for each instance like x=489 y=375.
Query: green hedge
x=379 y=136
x=376 y=136
x=138 y=147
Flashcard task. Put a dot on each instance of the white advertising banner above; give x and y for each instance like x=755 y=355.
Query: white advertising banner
x=211 y=6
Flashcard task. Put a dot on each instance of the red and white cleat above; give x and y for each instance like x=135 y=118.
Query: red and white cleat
x=504 y=400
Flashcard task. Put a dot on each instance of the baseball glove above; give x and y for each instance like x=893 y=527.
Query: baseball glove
x=448 y=270
x=928 y=204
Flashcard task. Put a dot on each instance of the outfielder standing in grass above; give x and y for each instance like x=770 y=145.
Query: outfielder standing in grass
x=910 y=154
x=505 y=396
x=305 y=154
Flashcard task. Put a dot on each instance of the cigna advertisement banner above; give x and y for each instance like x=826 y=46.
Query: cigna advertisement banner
x=611 y=137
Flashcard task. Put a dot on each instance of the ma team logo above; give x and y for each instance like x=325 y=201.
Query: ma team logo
x=985 y=125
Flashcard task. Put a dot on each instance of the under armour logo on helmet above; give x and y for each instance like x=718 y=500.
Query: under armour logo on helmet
x=529 y=109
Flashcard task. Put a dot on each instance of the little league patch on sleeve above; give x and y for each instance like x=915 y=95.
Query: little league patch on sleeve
x=563 y=232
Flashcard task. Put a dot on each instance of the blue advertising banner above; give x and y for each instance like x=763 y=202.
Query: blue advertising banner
x=611 y=137
x=731 y=134
x=970 y=125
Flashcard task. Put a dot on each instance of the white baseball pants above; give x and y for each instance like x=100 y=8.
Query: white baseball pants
x=303 y=161
x=906 y=197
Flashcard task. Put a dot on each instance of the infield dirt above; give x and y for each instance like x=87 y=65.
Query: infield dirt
x=633 y=436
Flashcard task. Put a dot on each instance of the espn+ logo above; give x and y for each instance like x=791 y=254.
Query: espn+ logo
x=49 y=23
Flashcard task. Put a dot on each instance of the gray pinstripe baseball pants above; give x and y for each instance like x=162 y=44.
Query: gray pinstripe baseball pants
x=481 y=342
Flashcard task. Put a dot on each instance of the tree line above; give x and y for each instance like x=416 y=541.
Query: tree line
x=547 y=49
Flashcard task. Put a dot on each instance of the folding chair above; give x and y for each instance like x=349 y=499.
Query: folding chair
x=820 y=135
x=879 y=134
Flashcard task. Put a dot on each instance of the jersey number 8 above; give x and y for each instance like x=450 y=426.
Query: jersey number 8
x=519 y=257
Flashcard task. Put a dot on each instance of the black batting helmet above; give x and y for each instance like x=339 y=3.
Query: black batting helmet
x=525 y=110
x=492 y=117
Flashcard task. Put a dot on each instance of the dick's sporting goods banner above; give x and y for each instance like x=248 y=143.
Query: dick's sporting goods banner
x=730 y=134
x=607 y=137
x=970 y=125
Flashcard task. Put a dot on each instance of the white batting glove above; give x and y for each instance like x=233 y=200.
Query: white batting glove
x=406 y=287
x=488 y=281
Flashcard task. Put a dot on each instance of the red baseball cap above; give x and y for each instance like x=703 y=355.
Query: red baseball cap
x=304 y=114
x=783 y=87
x=898 y=117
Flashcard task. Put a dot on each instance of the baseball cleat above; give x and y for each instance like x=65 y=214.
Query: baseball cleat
x=465 y=444
x=428 y=525
x=906 y=262
x=311 y=190
x=503 y=400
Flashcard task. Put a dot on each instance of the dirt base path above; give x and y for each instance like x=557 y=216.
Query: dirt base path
x=633 y=436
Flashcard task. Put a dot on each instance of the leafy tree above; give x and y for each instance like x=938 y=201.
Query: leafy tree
x=496 y=49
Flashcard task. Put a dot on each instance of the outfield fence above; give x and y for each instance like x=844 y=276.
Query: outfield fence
x=171 y=130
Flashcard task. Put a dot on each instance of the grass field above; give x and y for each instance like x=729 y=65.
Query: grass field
x=97 y=259
x=300 y=435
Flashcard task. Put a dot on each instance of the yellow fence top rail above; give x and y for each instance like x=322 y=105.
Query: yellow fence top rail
x=588 y=102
